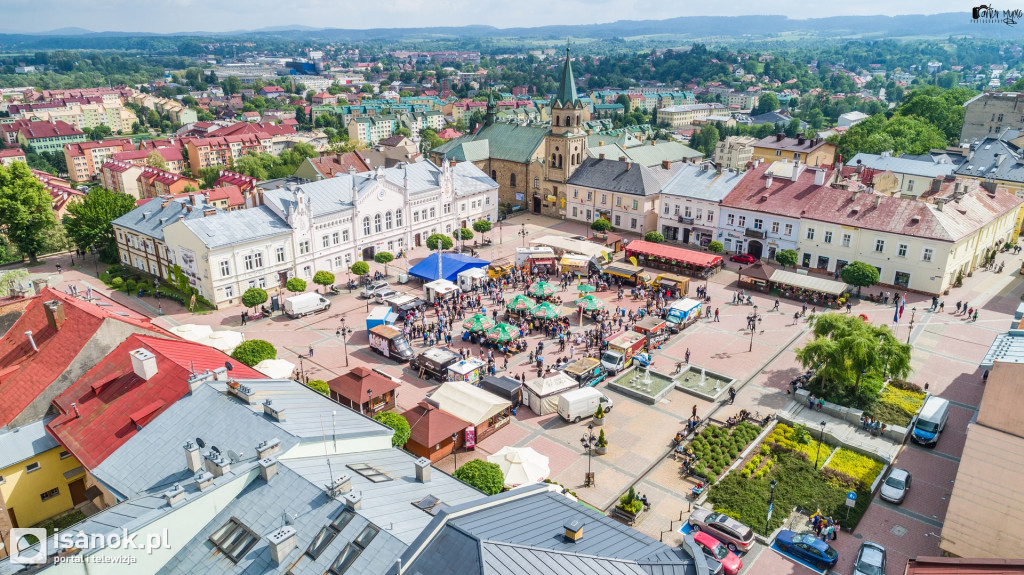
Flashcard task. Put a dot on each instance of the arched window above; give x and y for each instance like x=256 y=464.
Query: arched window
x=553 y=159
x=536 y=183
x=577 y=119
x=557 y=120
x=398 y=218
x=494 y=175
x=366 y=226
x=387 y=221
x=568 y=120
x=559 y=160
x=376 y=223
x=512 y=180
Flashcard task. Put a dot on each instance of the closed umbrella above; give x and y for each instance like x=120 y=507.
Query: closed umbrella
x=521 y=466
x=478 y=322
x=519 y=303
x=585 y=288
x=502 y=333
x=547 y=311
x=590 y=303
x=224 y=340
x=542 y=289
x=191 y=331
x=276 y=368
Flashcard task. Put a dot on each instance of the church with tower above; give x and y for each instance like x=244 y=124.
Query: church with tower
x=530 y=162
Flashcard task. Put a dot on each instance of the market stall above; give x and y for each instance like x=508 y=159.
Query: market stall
x=808 y=289
x=757 y=276
x=485 y=412
x=673 y=259
x=574 y=263
x=503 y=386
x=541 y=393
x=440 y=290
x=678 y=285
x=468 y=370
x=627 y=272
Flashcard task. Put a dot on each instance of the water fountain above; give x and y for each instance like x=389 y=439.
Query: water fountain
x=702 y=383
x=703 y=377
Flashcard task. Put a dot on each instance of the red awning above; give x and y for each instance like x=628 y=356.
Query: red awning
x=651 y=249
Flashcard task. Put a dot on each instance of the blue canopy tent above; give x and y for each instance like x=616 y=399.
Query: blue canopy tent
x=451 y=265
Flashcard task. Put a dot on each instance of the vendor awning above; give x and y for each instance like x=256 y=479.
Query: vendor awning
x=820 y=285
x=563 y=245
x=468 y=402
x=622 y=269
x=681 y=255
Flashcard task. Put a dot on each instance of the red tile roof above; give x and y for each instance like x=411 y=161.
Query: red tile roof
x=230 y=193
x=168 y=154
x=12 y=153
x=112 y=401
x=431 y=426
x=265 y=128
x=329 y=166
x=29 y=372
x=39 y=130
x=79 y=148
x=354 y=384
x=229 y=178
x=678 y=254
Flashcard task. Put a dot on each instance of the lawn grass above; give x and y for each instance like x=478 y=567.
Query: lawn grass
x=851 y=467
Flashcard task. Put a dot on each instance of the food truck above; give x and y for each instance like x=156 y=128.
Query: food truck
x=682 y=313
x=629 y=273
x=655 y=328
x=433 y=363
x=678 y=284
x=390 y=343
x=621 y=349
x=467 y=370
x=587 y=371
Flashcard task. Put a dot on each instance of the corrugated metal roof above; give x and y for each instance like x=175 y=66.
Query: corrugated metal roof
x=24 y=442
x=702 y=182
x=239 y=226
x=507 y=559
x=902 y=165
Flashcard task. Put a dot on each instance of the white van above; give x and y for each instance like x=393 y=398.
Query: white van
x=305 y=304
x=579 y=403
x=930 y=422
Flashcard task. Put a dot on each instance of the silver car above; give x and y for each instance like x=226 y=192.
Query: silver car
x=895 y=487
x=736 y=536
x=870 y=559
x=374 y=288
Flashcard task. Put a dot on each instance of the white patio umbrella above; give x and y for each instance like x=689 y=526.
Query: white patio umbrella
x=521 y=465
x=276 y=368
x=191 y=331
x=225 y=340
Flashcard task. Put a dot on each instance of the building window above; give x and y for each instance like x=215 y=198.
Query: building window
x=46 y=495
x=731 y=219
x=415 y=217
x=398 y=218
x=590 y=195
x=846 y=240
x=910 y=185
x=574 y=212
x=687 y=213
x=433 y=213
x=335 y=238
x=901 y=250
x=618 y=220
x=366 y=225
x=448 y=208
x=711 y=216
x=376 y=223
x=810 y=233
x=65 y=454
x=388 y=220
x=261 y=283
x=229 y=291
x=636 y=205
x=667 y=209
x=926 y=255
x=280 y=254
x=575 y=194
x=512 y=180
x=775 y=227
x=880 y=246
x=325 y=241
x=778 y=152
x=618 y=201
x=604 y=199
x=536 y=183
x=34 y=466
x=225 y=268
x=307 y=271
x=234 y=539
x=828 y=237
x=742 y=220
x=632 y=223
x=758 y=224
x=788 y=230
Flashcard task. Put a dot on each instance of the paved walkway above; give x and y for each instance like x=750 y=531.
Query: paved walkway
x=839 y=431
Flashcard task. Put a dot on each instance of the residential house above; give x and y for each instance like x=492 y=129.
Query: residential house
x=324 y=99
x=42 y=136
x=690 y=203
x=912 y=176
x=364 y=390
x=735 y=151
x=809 y=151
x=328 y=166
x=121 y=176
x=226 y=198
x=620 y=191
x=84 y=159
x=154 y=182
x=9 y=156
x=171 y=156
x=272 y=92
x=140 y=232
x=761 y=215
x=247 y=184
x=62 y=192
x=997 y=159
x=222 y=151
x=989 y=113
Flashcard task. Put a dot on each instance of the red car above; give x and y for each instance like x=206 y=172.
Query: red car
x=743 y=258
x=715 y=549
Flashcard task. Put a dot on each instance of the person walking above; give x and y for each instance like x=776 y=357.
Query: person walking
x=958 y=304
x=244 y=317
x=694 y=412
x=776 y=308
x=732 y=395
x=849 y=307
x=975 y=316
x=311 y=352
x=687 y=355
x=716 y=315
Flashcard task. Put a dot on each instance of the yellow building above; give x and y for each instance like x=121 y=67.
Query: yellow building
x=809 y=151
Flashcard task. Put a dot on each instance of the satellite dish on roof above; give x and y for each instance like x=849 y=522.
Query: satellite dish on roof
x=234 y=457
x=228 y=366
x=214 y=449
x=200 y=442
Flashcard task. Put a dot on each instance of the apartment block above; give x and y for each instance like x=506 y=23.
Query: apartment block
x=155 y=183
x=121 y=176
x=84 y=159
x=223 y=151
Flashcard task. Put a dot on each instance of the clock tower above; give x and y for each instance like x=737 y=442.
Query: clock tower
x=565 y=146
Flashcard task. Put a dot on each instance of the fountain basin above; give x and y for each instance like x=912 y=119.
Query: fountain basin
x=632 y=383
x=705 y=384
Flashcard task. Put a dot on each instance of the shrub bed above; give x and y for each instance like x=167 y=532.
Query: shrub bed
x=863 y=397
x=797 y=441
x=850 y=468
x=896 y=406
x=716 y=447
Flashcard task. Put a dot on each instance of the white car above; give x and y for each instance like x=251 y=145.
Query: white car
x=375 y=287
x=895 y=487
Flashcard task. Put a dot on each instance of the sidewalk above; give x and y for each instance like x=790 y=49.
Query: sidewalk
x=839 y=430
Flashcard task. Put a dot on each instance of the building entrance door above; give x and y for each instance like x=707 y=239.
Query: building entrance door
x=77 y=489
x=536 y=204
x=755 y=248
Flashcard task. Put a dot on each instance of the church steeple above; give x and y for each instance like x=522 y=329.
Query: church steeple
x=492 y=109
x=566 y=96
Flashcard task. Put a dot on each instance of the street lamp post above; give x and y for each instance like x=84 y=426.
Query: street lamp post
x=369 y=401
x=771 y=504
x=752 y=324
x=343 y=332
x=95 y=260
x=821 y=439
x=589 y=442
x=522 y=232
x=455 y=451
x=302 y=371
x=913 y=313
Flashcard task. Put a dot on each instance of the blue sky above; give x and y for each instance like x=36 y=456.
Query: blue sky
x=222 y=15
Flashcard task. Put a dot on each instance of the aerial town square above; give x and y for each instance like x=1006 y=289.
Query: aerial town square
x=428 y=290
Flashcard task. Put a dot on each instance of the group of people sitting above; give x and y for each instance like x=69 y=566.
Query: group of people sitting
x=872 y=425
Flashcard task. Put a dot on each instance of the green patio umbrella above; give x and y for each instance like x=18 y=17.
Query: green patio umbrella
x=542 y=289
x=585 y=288
x=502 y=333
x=547 y=311
x=478 y=322
x=590 y=303
x=519 y=303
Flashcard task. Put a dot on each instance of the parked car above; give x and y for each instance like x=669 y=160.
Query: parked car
x=870 y=559
x=895 y=487
x=384 y=294
x=743 y=258
x=736 y=536
x=807 y=547
x=713 y=548
x=374 y=287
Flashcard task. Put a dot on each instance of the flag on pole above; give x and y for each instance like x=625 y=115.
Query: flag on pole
x=902 y=302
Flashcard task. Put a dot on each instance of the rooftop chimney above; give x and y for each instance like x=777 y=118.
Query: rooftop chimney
x=282 y=542
x=989 y=186
x=216 y=463
x=666 y=165
x=779 y=137
x=192 y=199
x=275 y=414
x=878 y=200
x=800 y=139
x=192 y=457
x=268 y=468
x=573 y=529
x=145 y=215
x=819 y=177
x=354 y=500
x=31 y=340
x=622 y=158
x=54 y=313
x=243 y=392
x=629 y=165
x=143 y=363
x=768 y=181
x=797 y=168
x=936 y=184
x=203 y=479
x=267 y=448
x=939 y=202
x=422 y=470
x=174 y=494
x=600 y=156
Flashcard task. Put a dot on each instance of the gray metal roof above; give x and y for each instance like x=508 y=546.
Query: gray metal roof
x=1008 y=348
x=508 y=559
x=993 y=158
x=702 y=182
x=154 y=459
x=150 y=218
x=239 y=226
x=389 y=503
x=903 y=165
x=620 y=177
x=24 y=442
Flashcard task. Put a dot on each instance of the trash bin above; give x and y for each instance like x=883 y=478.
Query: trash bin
x=403 y=277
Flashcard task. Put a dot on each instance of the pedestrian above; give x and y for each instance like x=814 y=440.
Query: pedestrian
x=796 y=317
x=975 y=317
x=694 y=412
x=243 y=317
x=311 y=352
x=835 y=530
x=776 y=308
x=716 y=315
x=811 y=401
x=821 y=403
x=942 y=306
x=732 y=395
x=804 y=310
x=849 y=307
x=958 y=308
x=687 y=355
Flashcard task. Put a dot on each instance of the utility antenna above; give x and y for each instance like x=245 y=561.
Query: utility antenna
x=323 y=435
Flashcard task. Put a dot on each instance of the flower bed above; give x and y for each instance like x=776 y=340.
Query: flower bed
x=716 y=448
x=896 y=406
x=799 y=442
x=850 y=468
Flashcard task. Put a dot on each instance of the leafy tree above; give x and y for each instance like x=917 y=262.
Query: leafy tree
x=397 y=422
x=254 y=351
x=320 y=386
x=767 y=102
x=323 y=278
x=100 y=132
x=360 y=268
x=465 y=234
x=860 y=274
x=208 y=176
x=441 y=240
x=254 y=297
x=847 y=348
x=403 y=131
x=297 y=285
x=482 y=226
x=786 y=257
x=600 y=225
x=26 y=215
x=88 y=222
x=250 y=165
x=654 y=236
x=716 y=247
x=483 y=475
x=384 y=258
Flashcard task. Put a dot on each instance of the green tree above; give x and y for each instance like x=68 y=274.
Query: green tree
x=296 y=285
x=654 y=236
x=786 y=257
x=254 y=296
x=483 y=475
x=600 y=225
x=26 y=214
x=208 y=176
x=251 y=165
x=384 y=258
x=465 y=234
x=100 y=132
x=403 y=131
x=716 y=247
x=253 y=351
x=860 y=274
x=360 y=268
x=767 y=102
x=397 y=422
x=845 y=349
x=441 y=240
x=320 y=386
x=88 y=222
x=231 y=85
x=323 y=278
x=482 y=226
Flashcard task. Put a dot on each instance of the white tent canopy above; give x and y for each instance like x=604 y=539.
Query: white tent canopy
x=541 y=393
x=439 y=289
x=521 y=466
x=276 y=368
x=191 y=331
x=563 y=245
x=468 y=402
x=225 y=340
x=820 y=285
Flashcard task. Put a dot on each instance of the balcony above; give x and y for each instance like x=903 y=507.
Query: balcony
x=754 y=233
x=685 y=220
